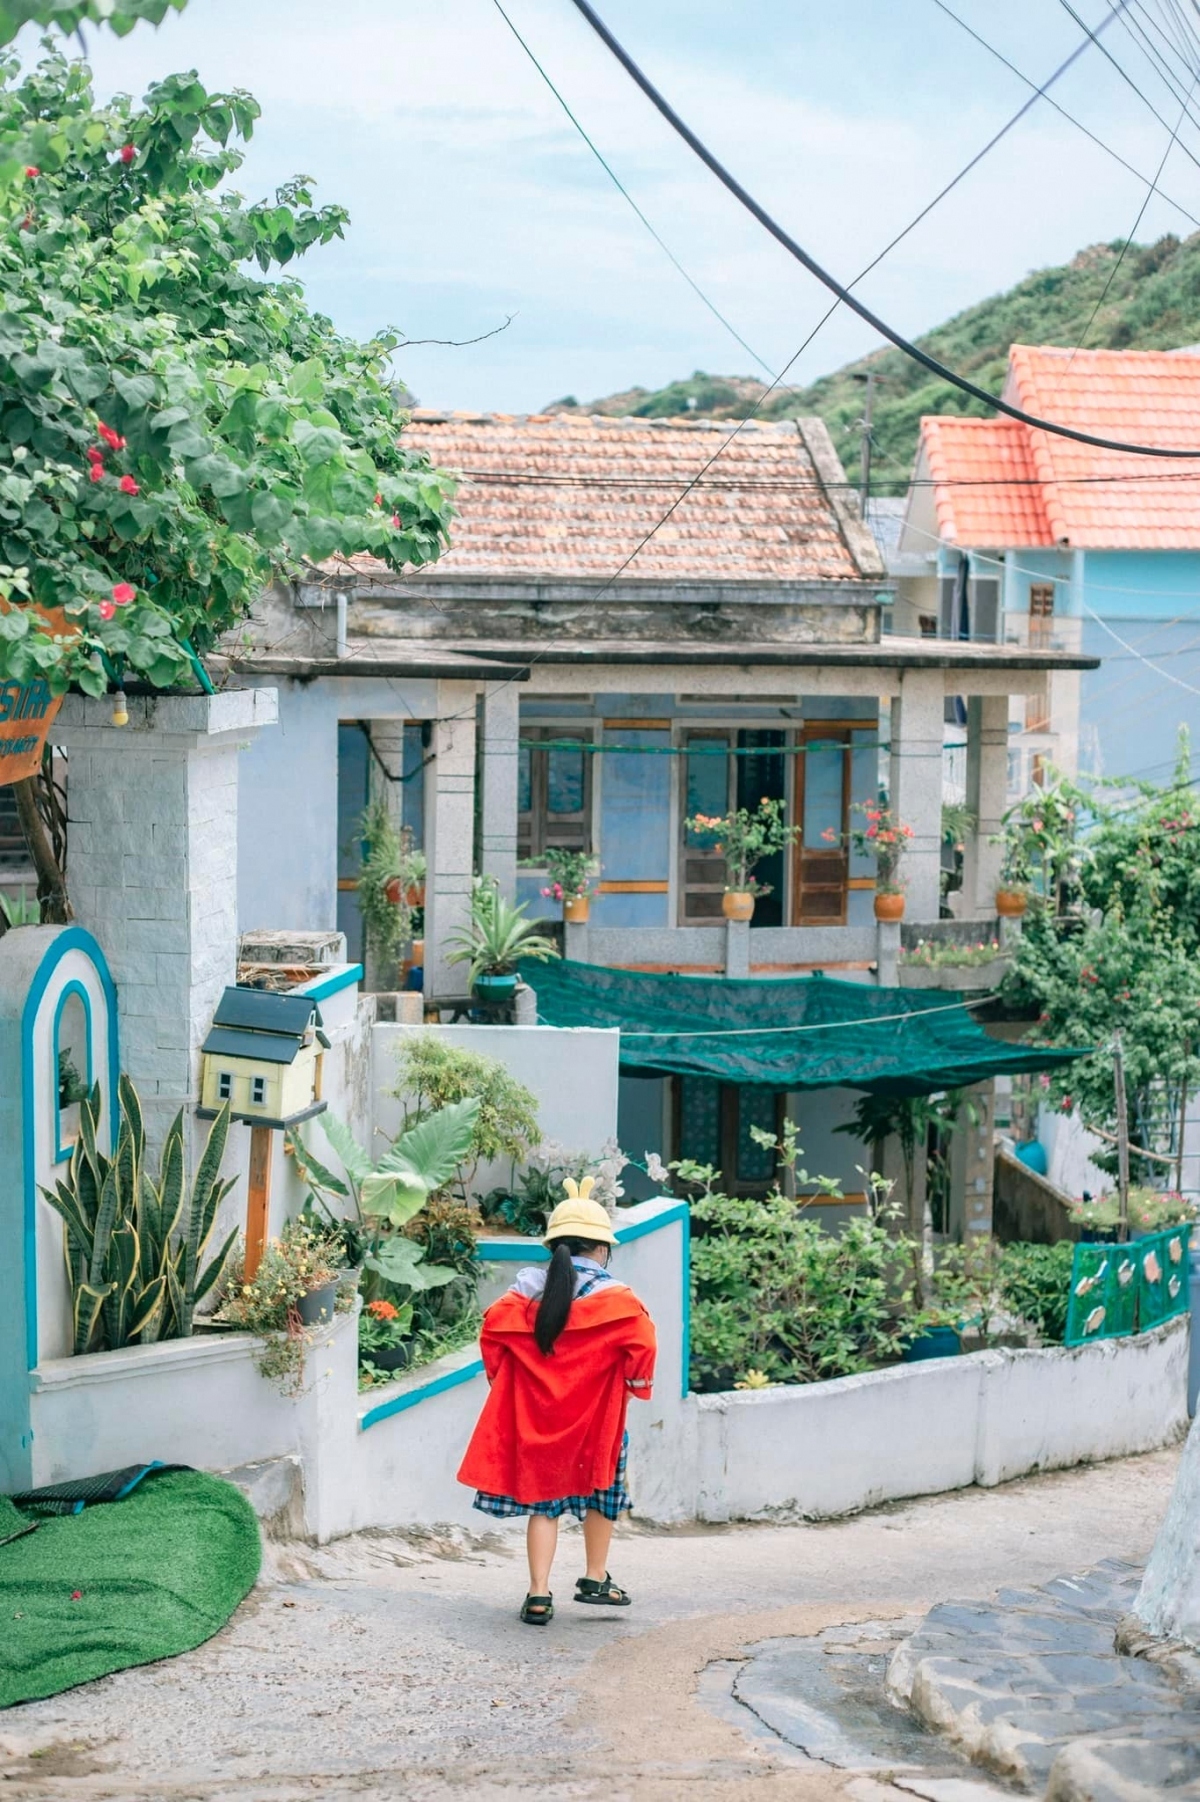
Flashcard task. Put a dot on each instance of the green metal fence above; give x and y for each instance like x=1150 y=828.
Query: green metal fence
x=1118 y=1289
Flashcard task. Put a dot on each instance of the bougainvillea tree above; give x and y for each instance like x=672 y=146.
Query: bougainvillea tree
x=176 y=430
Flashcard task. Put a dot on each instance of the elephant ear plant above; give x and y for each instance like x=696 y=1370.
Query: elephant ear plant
x=387 y=1195
x=135 y=1247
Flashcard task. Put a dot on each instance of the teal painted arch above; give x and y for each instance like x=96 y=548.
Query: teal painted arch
x=71 y=939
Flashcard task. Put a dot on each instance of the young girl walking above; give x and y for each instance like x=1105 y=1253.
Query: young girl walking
x=563 y=1349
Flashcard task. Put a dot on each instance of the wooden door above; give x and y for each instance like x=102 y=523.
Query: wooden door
x=822 y=865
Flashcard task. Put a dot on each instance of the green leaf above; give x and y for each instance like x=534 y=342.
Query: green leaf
x=392 y=1197
x=437 y=1145
x=356 y=1163
x=311 y=1170
x=398 y=1260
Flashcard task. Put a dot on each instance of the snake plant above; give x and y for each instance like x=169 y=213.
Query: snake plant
x=135 y=1247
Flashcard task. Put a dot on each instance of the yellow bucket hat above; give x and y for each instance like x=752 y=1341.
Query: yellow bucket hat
x=579 y=1217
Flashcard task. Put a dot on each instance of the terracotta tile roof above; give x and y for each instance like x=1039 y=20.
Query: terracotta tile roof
x=560 y=496
x=1079 y=496
x=964 y=455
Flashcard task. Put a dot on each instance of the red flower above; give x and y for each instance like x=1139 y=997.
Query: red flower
x=382 y=1310
x=395 y=522
x=77 y=1595
x=107 y=610
x=96 y=472
x=123 y=593
x=113 y=439
x=379 y=500
x=127 y=485
x=127 y=153
x=31 y=169
x=26 y=222
x=95 y=454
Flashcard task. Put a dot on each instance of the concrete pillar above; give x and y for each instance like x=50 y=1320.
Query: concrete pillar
x=987 y=789
x=577 y=942
x=449 y=834
x=916 y=786
x=737 y=947
x=152 y=841
x=887 y=953
x=1168 y=1602
x=387 y=736
x=501 y=754
x=973 y=1163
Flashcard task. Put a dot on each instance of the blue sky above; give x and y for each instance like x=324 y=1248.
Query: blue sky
x=471 y=197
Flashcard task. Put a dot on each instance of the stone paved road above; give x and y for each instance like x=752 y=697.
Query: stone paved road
x=396 y=1668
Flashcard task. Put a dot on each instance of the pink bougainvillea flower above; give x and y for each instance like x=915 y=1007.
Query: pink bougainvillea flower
x=113 y=439
x=127 y=485
x=31 y=169
x=106 y=609
x=96 y=472
x=379 y=500
x=123 y=593
x=77 y=1595
x=95 y=454
x=127 y=153
x=395 y=522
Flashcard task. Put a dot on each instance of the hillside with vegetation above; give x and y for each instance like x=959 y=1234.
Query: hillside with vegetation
x=1153 y=304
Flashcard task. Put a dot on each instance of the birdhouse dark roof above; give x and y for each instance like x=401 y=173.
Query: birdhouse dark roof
x=256 y=1023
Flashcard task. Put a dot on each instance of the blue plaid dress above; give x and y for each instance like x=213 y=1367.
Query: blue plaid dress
x=610 y=1502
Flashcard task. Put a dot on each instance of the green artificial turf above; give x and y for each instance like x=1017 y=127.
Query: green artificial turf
x=122 y=1583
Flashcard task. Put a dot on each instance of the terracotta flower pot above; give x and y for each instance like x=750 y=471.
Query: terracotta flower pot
x=889 y=906
x=737 y=904
x=1011 y=903
x=576 y=908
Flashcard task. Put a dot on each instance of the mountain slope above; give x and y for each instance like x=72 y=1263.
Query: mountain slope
x=1153 y=304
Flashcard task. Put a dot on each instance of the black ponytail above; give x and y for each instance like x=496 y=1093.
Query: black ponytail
x=554 y=1309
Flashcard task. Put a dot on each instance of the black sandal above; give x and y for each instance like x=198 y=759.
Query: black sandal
x=537 y=1610
x=606 y=1594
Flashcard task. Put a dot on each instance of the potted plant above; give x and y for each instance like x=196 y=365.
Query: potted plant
x=408 y=883
x=495 y=941
x=743 y=838
x=882 y=837
x=384 y=1336
x=572 y=874
x=295 y=1289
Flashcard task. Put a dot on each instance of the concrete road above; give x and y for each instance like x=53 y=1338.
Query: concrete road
x=394 y=1666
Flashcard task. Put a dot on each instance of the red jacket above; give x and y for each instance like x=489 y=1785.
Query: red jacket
x=552 y=1426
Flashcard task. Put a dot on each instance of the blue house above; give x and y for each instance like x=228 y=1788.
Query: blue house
x=1022 y=537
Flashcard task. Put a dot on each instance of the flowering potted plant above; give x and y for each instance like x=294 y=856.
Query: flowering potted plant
x=295 y=1288
x=572 y=874
x=882 y=837
x=743 y=838
x=385 y=1336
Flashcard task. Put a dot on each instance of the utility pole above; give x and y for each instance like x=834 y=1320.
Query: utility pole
x=864 y=493
x=1122 y=1139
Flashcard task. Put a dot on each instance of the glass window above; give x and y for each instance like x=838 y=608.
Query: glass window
x=564 y=781
x=756 y=1107
x=224 y=1086
x=700 y=1119
x=258 y=1090
x=554 y=790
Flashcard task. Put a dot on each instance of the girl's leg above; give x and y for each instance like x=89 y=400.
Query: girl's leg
x=597 y=1537
x=541 y=1542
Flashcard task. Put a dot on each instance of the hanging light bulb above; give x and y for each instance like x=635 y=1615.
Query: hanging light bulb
x=120 y=712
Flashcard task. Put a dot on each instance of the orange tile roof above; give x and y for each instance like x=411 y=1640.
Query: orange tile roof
x=1079 y=496
x=557 y=495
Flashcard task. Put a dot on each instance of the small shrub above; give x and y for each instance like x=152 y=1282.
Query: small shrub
x=775 y=1294
x=432 y=1074
x=1035 y=1282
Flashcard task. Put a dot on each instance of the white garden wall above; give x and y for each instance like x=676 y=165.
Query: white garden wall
x=918 y=1429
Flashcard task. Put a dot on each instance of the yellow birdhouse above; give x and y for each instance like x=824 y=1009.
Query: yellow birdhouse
x=263 y=1056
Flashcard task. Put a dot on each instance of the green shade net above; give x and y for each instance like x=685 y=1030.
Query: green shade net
x=811 y=1032
x=120 y=1584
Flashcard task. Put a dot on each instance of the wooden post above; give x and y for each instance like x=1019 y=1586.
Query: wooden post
x=259 y=1203
x=1122 y=1139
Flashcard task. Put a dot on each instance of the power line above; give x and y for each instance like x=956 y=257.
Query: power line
x=843 y=293
x=1112 y=274
x=624 y=191
x=1059 y=108
x=1126 y=77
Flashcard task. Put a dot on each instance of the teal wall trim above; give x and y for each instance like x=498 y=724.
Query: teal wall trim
x=465 y=1373
x=74 y=987
x=73 y=938
x=322 y=987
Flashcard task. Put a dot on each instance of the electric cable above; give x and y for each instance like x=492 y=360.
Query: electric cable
x=1059 y=108
x=843 y=293
x=624 y=191
x=1126 y=77
x=1113 y=272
